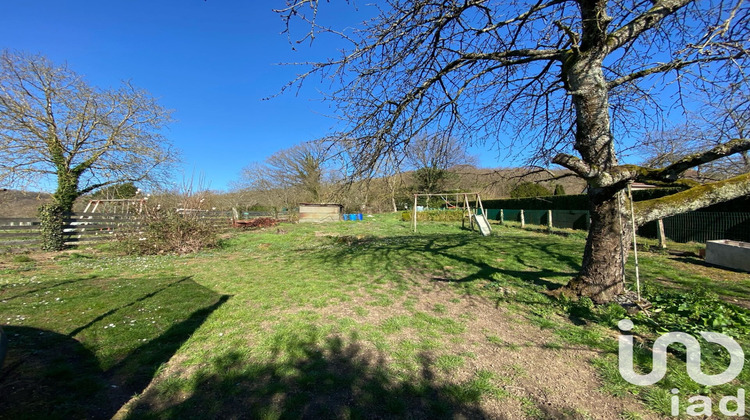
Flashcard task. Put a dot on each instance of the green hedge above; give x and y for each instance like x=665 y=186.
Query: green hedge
x=435 y=216
x=568 y=202
x=580 y=202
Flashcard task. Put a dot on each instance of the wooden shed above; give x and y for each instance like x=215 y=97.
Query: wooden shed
x=320 y=212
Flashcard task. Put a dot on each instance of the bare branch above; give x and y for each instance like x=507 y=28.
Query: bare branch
x=676 y=169
x=665 y=67
x=643 y=22
x=576 y=165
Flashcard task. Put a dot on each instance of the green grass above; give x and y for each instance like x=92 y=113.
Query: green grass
x=276 y=325
x=449 y=362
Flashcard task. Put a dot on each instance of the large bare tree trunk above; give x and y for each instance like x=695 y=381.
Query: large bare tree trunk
x=601 y=275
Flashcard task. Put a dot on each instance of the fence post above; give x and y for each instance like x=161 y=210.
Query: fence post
x=660 y=234
x=502 y=216
x=523 y=221
x=414 y=212
x=549 y=220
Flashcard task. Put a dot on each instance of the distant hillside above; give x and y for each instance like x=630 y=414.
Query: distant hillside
x=497 y=183
x=491 y=183
x=15 y=203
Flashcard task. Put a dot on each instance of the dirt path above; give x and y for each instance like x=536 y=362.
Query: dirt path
x=542 y=380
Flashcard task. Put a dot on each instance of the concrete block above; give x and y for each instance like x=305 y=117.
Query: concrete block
x=730 y=254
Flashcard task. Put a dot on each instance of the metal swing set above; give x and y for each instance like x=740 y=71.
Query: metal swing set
x=475 y=214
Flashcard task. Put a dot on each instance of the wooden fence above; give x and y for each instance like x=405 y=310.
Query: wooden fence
x=84 y=228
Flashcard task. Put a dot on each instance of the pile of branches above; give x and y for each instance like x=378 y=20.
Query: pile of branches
x=257 y=223
x=168 y=232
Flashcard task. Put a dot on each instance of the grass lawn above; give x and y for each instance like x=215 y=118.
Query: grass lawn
x=346 y=320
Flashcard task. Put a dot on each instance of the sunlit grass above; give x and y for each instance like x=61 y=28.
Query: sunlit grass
x=273 y=316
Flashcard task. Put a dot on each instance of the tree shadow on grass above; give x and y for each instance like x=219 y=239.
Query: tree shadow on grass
x=6 y=296
x=398 y=253
x=735 y=289
x=332 y=379
x=48 y=374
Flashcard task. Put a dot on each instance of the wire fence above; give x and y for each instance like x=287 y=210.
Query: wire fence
x=694 y=226
x=703 y=226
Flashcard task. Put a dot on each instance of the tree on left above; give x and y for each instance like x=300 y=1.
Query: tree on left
x=55 y=127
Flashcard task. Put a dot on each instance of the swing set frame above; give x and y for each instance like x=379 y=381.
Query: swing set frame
x=463 y=201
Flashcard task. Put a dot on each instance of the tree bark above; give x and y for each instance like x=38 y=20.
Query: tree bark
x=601 y=276
x=392 y=189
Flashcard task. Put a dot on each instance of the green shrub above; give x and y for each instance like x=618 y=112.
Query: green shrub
x=22 y=259
x=695 y=311
x=611 y=314
x=529 y=189
x=117 y=191
x=434 y=216
x=582 y=308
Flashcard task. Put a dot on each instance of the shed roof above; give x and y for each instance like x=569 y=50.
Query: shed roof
x=322 y=204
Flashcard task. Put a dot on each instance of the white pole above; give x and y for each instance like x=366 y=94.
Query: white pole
x=549 y=220
x=414 y=211
x=635 y=245
x=623 y=255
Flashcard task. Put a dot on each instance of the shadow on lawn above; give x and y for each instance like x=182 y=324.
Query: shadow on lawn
x=52 y=375
x=332 y=379
x=404 y=252
x=5 y=296
x=732 y=286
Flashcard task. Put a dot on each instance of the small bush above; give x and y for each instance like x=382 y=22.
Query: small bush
x=169 y=232
x=695 y=311
x=582 y=308
x=22 y=259
x=435 y=216
x=529 y=189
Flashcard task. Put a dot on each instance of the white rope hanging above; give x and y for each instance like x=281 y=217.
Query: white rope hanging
x=635 y=245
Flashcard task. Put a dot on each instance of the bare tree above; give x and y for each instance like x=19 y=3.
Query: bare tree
x=300 y=173
x=664 y=147
x=438 y=151
x=729 y=118
x=54 y=124
x=565 y=76
x=432 y=157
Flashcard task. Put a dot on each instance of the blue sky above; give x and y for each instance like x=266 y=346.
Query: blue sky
x=212 y=62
